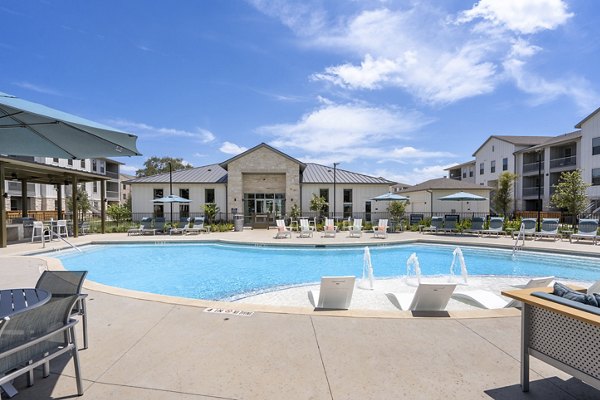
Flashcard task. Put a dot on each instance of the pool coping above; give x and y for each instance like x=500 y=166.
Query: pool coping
x=55 y=264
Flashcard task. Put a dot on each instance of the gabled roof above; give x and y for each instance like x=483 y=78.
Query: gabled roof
x=472 y=162
x=207 y=174
x=583 y=121
x=516 y=140
x=260 y=146
x=567 y=137
x=316 y=173
x=444 y=183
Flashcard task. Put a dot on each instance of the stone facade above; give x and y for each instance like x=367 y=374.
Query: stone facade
x=262 y=171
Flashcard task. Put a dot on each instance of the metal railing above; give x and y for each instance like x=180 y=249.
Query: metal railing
x=532 y=191
x=534 y=166
x=563 y=162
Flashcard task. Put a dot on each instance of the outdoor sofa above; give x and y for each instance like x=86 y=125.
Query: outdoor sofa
x=559 y=328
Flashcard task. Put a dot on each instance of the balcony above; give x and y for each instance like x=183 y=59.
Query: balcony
x=530 y=191
x=533 y=167
x=563 y=162
x=110 y=195
x=114 y=175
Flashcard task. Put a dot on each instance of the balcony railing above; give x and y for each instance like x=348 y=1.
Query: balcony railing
x=533 y=167
x=112 y=174
x=563 y=162
x=532 y=191
x=112 y=195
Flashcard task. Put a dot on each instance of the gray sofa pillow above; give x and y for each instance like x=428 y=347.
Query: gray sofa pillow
x=569 y=294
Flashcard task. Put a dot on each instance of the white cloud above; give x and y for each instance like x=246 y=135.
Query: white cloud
x=348 y=129
x=128 y=169
x=520 y=16
x=232 y=148
x=414 y=175
x=199 y=135
x=421 y=49
x=37 y=88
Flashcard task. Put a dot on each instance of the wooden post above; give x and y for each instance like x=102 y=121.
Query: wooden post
x=74 y=183
x=3 y=231
x=24 y=205
x=59 y=201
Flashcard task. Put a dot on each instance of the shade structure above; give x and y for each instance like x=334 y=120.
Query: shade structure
x=390 y=197
x=171 y=199
x=31 y=129
x=463 y=196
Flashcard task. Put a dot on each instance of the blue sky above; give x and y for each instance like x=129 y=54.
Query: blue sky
x=399 y=89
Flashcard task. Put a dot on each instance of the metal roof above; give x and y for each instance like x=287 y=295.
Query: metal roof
x=444 y=183
x=213 y=173
x=316 y=173
x=567 y=137
x=516 y=140
x=472 y=162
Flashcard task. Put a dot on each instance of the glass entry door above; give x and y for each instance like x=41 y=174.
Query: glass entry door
x=272 y=204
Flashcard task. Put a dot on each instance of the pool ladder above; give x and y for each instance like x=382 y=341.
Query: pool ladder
x=54 y=234
x=521 y=236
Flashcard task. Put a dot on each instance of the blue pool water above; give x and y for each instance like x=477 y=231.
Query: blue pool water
x=226 y=272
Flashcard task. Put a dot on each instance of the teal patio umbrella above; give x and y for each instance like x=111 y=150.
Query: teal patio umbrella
x=31 y=129
x=171 y=199
x=390 y=197
x=462 y=196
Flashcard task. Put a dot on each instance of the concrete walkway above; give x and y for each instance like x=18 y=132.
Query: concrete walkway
x=143 y=349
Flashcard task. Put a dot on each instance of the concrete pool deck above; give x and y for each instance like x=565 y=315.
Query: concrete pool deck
x=141 y=348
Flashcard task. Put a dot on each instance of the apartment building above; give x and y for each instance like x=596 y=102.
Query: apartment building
x=45 y=197
x=463 y=172
x=538 y=162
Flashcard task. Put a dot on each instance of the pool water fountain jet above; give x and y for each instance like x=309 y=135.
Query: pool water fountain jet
x=413 y=261
x=367 y=276
x=458 y=254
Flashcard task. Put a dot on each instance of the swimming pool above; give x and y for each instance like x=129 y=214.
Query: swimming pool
x=227 y=272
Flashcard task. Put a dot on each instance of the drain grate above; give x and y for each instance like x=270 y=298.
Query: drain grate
x=228 y=311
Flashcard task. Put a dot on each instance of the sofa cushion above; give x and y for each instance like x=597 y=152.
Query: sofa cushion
x=570 y=294
x=570 y=303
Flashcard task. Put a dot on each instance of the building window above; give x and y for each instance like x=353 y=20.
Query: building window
x=492 y=148
x=493 y=166
x=83 y=164
x=324 y=193
x=158 y=193
x=55 y=160
x=124 y=187
x=595 y=176
x=470 y=173
x=481 y=171
x=70 y=161
x=505 y=164
x=94 y=165
x=464 y=174
x=124 y=196
x=596 y=146
x=95 y=187
x=347 y=203
x=209 y=195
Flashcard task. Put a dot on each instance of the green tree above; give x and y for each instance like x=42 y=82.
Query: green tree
x=396 y=209
x=295 y=211
x=118 y=213
x=83 y=202
x=160 y=165
x=210 y=212
x=503 y=197
x=570 y=193
x=317 y=204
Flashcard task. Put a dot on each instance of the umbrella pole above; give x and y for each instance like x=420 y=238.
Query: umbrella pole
x=171 y=189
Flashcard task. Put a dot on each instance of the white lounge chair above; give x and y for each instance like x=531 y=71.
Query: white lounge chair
x=146 y=226
x=305 y=229
x=198 y=227
x=329 y=229
x=436 y=225
x=335 y=293
x=282 y=230
x=135 y=231
x=356 y=229
x=487 y=299
x=587 y=229
x=380 y=231
x=595 y=288
x=527 y=228
x=548 y=229
x=428 y=297
x=495 y=228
